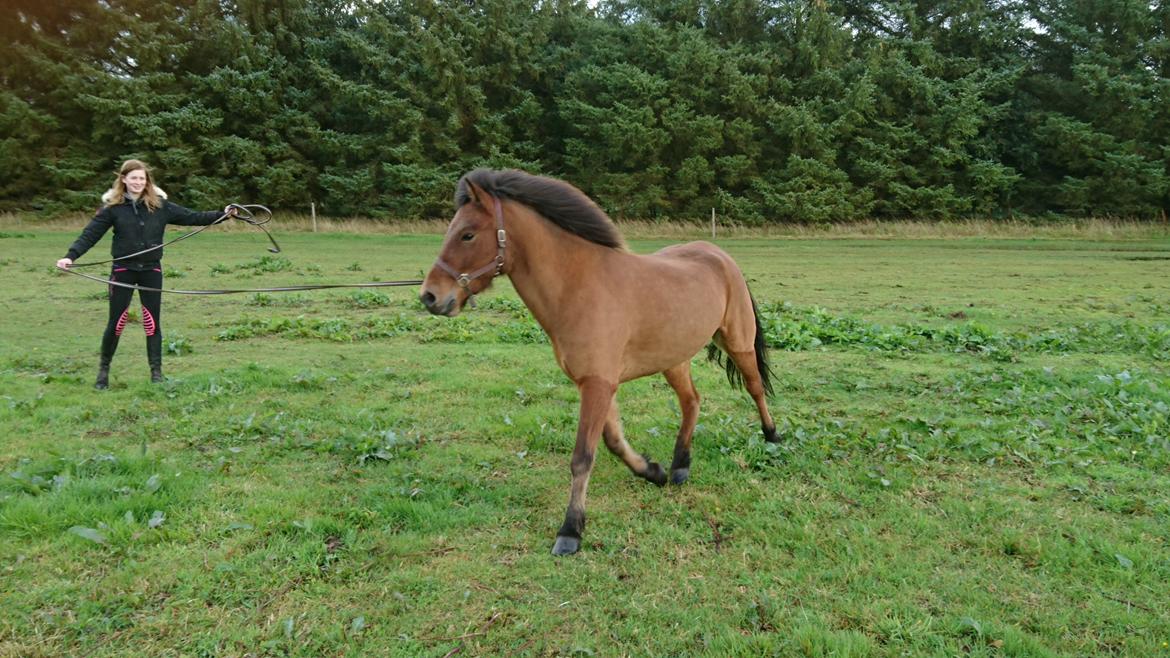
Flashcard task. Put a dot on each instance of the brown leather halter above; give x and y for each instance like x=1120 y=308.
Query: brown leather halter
x=464 y=279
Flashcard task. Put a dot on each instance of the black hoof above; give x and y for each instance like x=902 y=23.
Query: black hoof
x=566 y=545
x=655 y=473
x=679 y=475
x=770 y=435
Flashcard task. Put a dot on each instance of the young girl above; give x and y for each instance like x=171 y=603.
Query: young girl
x=139 y=213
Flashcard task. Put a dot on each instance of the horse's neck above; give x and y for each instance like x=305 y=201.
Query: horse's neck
x=547 y=265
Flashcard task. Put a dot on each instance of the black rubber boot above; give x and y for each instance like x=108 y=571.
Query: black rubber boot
x=154 y=357
x=103 y=377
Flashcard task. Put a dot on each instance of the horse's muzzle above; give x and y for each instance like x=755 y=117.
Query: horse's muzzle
x=448 y=306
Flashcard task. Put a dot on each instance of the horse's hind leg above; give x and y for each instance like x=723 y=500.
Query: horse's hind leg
x=742 y=351
x=746 y=362
x=679 y=378
x=615 y=440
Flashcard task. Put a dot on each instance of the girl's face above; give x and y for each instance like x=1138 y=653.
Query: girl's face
x=135 y=182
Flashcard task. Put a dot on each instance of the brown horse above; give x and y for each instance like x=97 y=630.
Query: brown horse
x=611 y=315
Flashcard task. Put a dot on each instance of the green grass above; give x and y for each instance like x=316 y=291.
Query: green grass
x=975 y=462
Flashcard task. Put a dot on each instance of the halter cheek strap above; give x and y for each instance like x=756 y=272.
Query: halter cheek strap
x=464 y=279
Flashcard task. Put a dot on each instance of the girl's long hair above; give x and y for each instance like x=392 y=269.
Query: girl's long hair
x=149 y=193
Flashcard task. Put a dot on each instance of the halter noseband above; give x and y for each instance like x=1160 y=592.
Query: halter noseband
x=464 y=279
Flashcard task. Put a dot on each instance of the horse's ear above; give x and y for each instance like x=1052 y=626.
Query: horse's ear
x=476 y=195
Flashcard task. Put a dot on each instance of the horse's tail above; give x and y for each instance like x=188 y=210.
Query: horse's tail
x=734 y=376
x=762 y=364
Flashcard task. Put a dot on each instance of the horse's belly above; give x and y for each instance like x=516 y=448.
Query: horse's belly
x=673 y=343
x=642 y=368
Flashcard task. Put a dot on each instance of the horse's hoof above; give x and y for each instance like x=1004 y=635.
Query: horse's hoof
x=770 y=435
x=679 y=475
x=655 y=474
x=566 y=545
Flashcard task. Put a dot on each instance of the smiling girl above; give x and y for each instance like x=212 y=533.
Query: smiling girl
x=139 y=213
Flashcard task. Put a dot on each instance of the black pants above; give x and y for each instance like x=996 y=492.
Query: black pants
x=151 y=312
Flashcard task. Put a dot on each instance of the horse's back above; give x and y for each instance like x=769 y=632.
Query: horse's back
x=702 y=255
x=697 y=249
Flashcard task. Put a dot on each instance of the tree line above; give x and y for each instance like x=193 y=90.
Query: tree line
x=765 y=110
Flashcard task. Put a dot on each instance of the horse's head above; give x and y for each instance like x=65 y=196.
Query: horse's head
x=472 y=253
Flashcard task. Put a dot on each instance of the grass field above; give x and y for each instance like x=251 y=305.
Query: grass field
x=975 y=461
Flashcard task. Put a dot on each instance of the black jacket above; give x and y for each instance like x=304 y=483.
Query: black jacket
x=136 y=227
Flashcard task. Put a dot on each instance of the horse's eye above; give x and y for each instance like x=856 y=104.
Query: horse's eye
x=468 y=237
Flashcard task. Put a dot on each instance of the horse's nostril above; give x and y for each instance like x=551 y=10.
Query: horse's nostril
x=428 y=298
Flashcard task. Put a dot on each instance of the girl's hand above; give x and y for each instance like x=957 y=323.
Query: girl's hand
x=230 y=211
x=65 y=263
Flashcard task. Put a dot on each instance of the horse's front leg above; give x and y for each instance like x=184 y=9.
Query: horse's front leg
x=615 y=440
x=597 y=395
x=679 y=378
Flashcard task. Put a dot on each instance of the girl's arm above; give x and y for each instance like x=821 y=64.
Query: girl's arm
x=92 y=232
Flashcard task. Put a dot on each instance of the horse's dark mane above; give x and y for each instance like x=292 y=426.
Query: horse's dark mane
x=557 y=201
